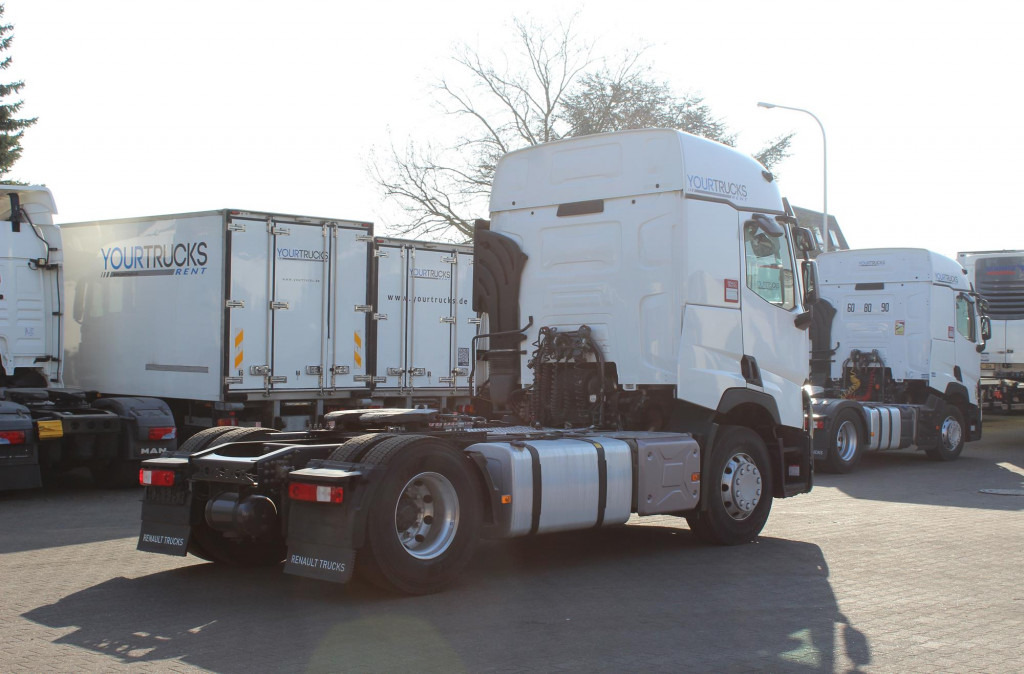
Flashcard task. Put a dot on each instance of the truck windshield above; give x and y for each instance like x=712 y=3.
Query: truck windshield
x=1000 y=280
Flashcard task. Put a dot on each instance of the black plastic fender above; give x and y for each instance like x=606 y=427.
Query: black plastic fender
x=19 y=463
x=139 y=415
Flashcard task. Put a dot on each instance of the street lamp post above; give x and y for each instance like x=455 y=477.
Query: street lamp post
x=824 y=175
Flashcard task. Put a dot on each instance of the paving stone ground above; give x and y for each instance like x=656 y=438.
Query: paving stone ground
x=904 y=566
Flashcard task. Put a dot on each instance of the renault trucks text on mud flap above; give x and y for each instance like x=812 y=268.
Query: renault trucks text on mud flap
x=644 y=350
x=45 y=427
x=998 y=276
x=895 y=360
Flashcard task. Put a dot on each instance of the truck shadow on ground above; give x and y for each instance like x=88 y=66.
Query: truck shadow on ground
x=70 y=510
x=907 y=476
x=630 y=598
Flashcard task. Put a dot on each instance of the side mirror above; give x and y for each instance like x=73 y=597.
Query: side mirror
x=765 y=224
x=986 y=328
x=809 y=277
x=804 y=240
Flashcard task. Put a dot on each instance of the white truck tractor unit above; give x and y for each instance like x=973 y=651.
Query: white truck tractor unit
x=44 y=427
x=263 y=319
x=895 y=358
x=644 y=350
x=998 y=276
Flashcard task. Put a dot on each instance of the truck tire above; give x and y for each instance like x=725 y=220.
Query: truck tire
x=353 y=450
x=210 y=544
x=424 y=521
x=201 y=440
x=951 y=436
x=846 y=443
x=740 y=493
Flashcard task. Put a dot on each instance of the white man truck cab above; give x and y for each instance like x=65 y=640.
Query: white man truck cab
x=896 y=359
x=45 y=427
x=643 y=351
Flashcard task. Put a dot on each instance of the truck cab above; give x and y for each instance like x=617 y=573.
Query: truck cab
x=44 y=427
x=901 y=352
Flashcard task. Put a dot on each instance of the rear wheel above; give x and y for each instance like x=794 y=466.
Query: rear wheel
x=215 y=546
x=951 y=436
x=740 y=494
x=354 y=449
x=424 y=521
x=847 y=443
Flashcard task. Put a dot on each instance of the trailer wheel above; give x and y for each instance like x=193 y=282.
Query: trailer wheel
x=213 y=546
x=354 y=449
x=740 y=490
x=847 y=443
x=424 y=520
x=951 y=436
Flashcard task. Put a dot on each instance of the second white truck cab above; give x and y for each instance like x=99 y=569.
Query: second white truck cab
x=896 y=355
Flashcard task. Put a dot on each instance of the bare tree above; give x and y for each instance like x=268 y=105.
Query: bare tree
x=551 y=88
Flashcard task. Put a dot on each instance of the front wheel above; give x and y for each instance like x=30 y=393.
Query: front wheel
x=424 y=521
x=740 y=494
x=847 y=446
x=951 y=436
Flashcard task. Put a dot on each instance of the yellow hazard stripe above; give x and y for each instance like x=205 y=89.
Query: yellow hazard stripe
x=238 y=358
x=359 y=340
x=239 y=337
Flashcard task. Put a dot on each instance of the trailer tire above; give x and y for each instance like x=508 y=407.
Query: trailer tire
x=847 y=443
x=211 y=545
x=353 y=450
x=424 y=519
x=740 y=493
x=951 y=436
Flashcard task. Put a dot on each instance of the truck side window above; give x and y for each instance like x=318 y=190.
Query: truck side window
x=965 y=317
x=769 y=268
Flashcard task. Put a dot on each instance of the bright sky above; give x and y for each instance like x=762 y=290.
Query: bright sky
x=152 y=107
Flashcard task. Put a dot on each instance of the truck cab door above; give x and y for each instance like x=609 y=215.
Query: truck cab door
x=776 y=352
x=966 y=339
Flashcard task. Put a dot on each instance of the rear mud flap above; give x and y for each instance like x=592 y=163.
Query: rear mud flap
x=322 y=562
x=164 y=538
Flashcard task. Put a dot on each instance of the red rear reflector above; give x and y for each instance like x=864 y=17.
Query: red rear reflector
x=227 y=421
x=315 y=493
x=156 y=478
x=819 y=424
x=162 y=433
x=12 y=437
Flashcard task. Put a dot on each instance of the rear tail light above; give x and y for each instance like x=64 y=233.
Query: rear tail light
x=12 y=437
x=227 y=421
x=315 y=493
x=162 y=433
x=156 y=478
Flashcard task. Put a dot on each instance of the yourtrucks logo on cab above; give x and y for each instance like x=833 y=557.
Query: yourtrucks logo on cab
x=167 y=259
x=717 y=187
